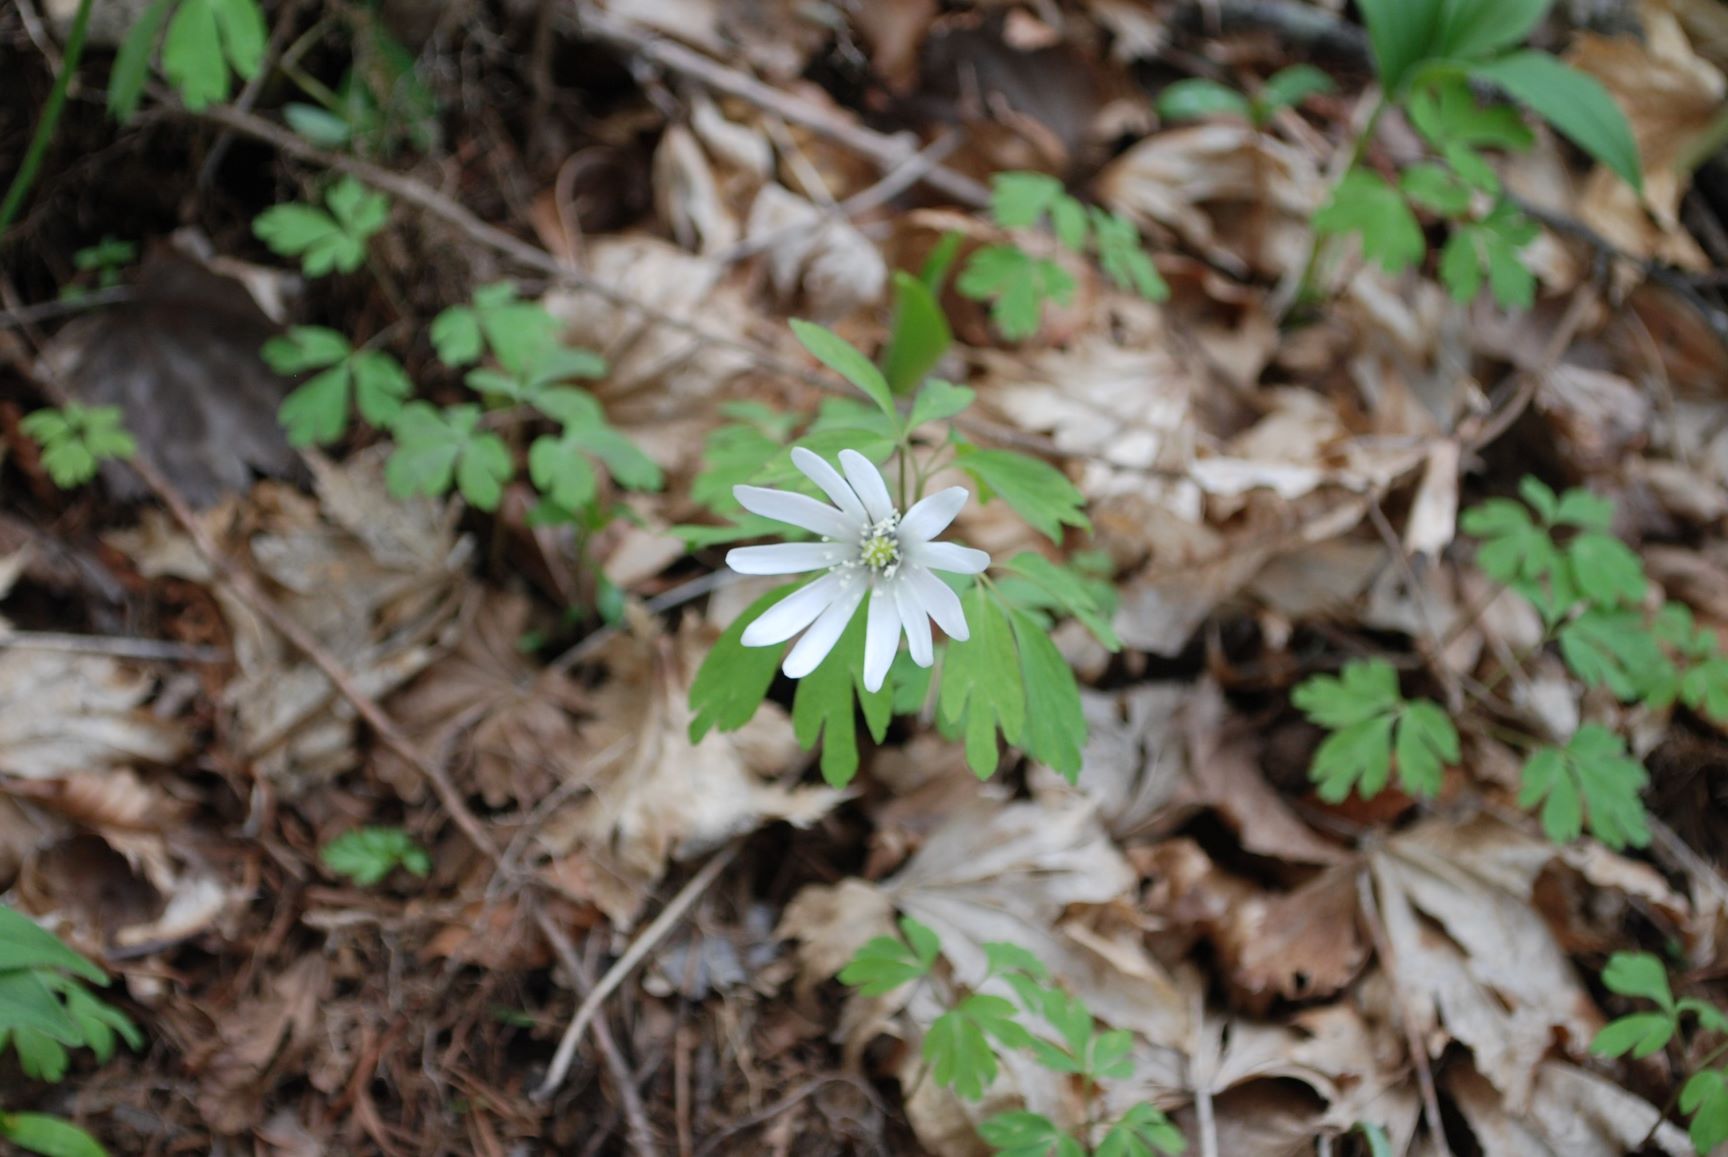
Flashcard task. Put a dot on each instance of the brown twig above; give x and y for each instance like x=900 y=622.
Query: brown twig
x=164 y=650
x=623 y=1083
x=1412 y=1034
x=626 y=964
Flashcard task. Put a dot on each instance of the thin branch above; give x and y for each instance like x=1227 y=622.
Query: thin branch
x=626 y=964
x=635 y=1116
x=165 y=650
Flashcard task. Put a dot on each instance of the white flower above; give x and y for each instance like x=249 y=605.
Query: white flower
x=867 y=548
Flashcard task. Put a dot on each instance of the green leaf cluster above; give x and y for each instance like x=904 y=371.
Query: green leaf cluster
x=1372 y=725
x=208 y=45
x=380 y=103
x=1199 y=99
x=77 y=439
x=317 y=412
x=367 y=855
x=1017 y=284
x=328 y=239
x=46 y=1007
x=965 y=1043
x=1418 y=41
x=1704 y=1097
x=1593 y=782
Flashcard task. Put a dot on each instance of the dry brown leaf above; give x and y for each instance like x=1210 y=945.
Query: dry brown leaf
x=1136 y=754
x=655 y=797
x=1472 y=959
x=657 y=372
x=1572 y=1113
x=259 y=1043
x=814 y=257
x=374 y=579
x=508 y=723
x=63 y=714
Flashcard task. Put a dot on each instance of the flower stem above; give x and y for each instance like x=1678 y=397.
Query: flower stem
x=50 y=120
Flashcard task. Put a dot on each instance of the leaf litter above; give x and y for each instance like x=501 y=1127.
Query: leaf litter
x=1268 y=496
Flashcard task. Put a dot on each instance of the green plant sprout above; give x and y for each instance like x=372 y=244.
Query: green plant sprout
x=1017 y=284
x=331 y=239
x=106 y=259
x=368 y=855
x=963 y=1047
x=77 y=439
x=1199 y=99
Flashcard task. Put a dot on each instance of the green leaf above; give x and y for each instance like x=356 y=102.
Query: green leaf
x=884 y=963
x=319 y=126
x=1003 y=957
x=243 y=35
x=77 y=439
x=1449 y=115
x=1493 y=246
x=1124 y=259
x=1576 y=507
x=26 y=944
x=625 y=461
x=1614 y=649
x=100 y=1022
x=919 y=337
x=1068 y=592
x=1478 y=29
x=1513 y=546
x=1364 y=204
x=1705 y=1098
x=1379 y=1144
x=316 y=413
x=1019 y=200
x=132 y=63
x=1704 y=688
x=960 y=1055
x=938 y=401
x=1593 y=776
x=48 y=1136
x=1638 y=974
x=841 y=357
x=1289 y=87
x=192 y=55
x=1141 y=1132
x=1362 y=691
x=1426 y=742
x=1017 y=284
x=560 y=471
x=1641 y=1034
x=1435 y=188
x=1403 y=33
x=1055 y=724
x=1574 y=103
x=1027 y=1134
x=734 y=679
x=981 y=686
x=1356 y=757
x=26 y=1002
x=1038 y=492
x=437 y=447
x=325 y=241
x=41 y=1058
x=1196 y=99
x=826 y=703
x=380 y=386
x=1607 y=570
x=367 y=855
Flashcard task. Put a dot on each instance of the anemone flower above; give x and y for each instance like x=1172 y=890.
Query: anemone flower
x=868 y=548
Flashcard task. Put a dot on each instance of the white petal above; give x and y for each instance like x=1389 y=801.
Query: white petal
x=807 y=654
x=942 y=603
x=786 y=557
x=948 y=556
x=916 y=620
x=798 y=509
x=817 y=470
x=881 y=638
x=867 y=481
x=931 y=516
x=793 y=613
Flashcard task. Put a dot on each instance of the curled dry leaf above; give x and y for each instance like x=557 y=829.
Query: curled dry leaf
x=66 y=713
x=262 y=1041
x=813 y=256
x=653 y=797
x=1572 y=1113
x=1472 y=959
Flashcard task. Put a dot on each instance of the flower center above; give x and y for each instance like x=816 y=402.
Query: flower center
x=879 y=549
